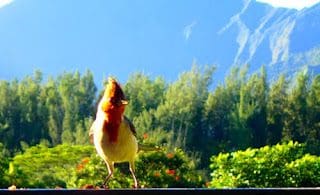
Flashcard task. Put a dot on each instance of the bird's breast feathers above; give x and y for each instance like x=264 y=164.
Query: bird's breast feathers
x=124 y=148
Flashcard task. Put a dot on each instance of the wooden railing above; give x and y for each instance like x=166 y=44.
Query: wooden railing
x=183 y=191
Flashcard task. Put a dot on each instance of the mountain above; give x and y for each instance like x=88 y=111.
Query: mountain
x=159 y=38
x=284 y=40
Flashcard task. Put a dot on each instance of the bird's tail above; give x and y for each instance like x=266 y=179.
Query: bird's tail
x=148 y=147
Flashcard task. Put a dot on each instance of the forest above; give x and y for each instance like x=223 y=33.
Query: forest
x=208 y=131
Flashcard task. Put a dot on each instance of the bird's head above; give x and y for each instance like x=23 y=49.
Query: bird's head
x=113 y=97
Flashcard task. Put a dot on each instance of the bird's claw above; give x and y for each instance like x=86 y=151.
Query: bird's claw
x=104 y=186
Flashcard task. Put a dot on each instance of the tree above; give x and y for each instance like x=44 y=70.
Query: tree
x=240 y=134
x=276 y=106
x=9 y=115
x=78 y=97
x=32 y=127
x=86 y=95
x=55 y=111
x=144 y=96
x=68 y=87
x=182 y=108
x=257 y=121
x=313 y=116
x=295 y=127
x=217 y=126
x=143 y=93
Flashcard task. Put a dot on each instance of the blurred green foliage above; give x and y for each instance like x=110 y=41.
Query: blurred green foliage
x=168 y=169
x=40 y=166
x=75 y=166
x=4 y=167
x=285 y=165
x=153 y=169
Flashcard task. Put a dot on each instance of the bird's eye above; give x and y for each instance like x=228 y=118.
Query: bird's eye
x=118 y=103
x=111 y=100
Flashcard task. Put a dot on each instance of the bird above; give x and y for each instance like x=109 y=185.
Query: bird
x=113 y=135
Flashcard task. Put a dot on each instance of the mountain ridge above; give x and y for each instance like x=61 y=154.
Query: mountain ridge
x=276 y=40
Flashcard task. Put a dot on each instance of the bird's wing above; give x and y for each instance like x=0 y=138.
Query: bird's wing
x=132 y=128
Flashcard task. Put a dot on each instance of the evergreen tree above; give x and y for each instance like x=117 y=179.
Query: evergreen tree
x=313 y=116
x=55 y=111
x=240 y=134
x=257 y=121
x=32 y=111
x=9 y=114
x=68 y=87
x=295 y=127
x=183 y=106
x=86 y=95
x=276 y=106
x=143 y=93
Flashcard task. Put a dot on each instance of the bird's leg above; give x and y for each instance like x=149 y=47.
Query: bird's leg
x=110 y=166
x=106 y=180
x=131 y=168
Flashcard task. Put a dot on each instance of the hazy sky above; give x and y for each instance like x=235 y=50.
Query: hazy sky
x=297 y=4
x=109 y=37
x=5 y=2
x=115 y=37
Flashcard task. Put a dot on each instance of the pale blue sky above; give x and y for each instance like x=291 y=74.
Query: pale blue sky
x=111 y=37
x=160 y=37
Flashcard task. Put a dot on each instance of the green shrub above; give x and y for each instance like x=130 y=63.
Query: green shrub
x=92 y=171
x=153 y=169
x=304 y=172
x=284 y=165
x=167 y=169
x=76 y=166
x=43 y=167
x=4 y=165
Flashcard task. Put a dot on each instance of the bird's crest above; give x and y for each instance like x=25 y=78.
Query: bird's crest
x=113 y=95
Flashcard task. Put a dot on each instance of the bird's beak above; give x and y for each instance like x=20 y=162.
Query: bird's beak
x=124 y=102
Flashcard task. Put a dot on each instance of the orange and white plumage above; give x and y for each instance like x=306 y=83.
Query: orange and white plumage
x=114 y=136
